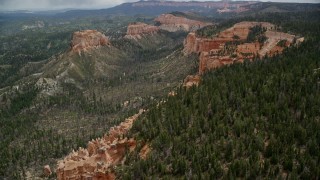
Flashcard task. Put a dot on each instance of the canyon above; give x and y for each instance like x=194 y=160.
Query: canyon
x=102 y=155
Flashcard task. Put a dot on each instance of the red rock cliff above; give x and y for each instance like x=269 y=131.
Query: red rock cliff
x=173 y=23
x=98 y=159
x=221 y=49
x=194 y=44
x=88 y=39
x=136 y=30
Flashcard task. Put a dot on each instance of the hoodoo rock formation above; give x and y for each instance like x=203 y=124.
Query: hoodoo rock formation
x=88 y=39
x=138 y=29
x=173 y=23
x=230 y=45
x=97 y=161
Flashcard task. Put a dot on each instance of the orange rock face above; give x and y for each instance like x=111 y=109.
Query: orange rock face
x=193 y=44
x=191 y=80
x=173 y=23
x=212 y=62
x=214 y=52
x=97 y=161
x=136 y=30
x=144 y=152
x=88 y=39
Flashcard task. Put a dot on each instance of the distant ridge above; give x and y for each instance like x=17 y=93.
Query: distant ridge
x=157 y=7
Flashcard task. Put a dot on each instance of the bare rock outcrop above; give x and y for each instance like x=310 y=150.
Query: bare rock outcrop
x=191 y=80
x=98 y=159
x=88 y=39
x=137 y=30
x=212 y=62
x=223 y=50
x=173 y=23
x=47 y=170
x=145 y=151
x=194 y=44
x=48 y=86
x=242 y=29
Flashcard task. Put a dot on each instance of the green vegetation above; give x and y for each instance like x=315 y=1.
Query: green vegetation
x=38 y=129
x=251 y=120
x=208 y=31
x=23 y=45
x=282 y=43
x=256 y=33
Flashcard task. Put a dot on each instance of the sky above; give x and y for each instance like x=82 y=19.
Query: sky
x=7 y=5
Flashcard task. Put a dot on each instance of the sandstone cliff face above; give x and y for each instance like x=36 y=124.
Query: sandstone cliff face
x=98 y=159
x=173 y=23
x=193 y=44
x=207 y=61
x=138 y=29
x=88 y=39
x=222 y=49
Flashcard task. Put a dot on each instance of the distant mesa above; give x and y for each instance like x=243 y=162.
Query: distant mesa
x=231 y=45
x=193 y=4
x=166 y=22
x=232 y=7
x=137 y=30
x=173 y=23
x=88 y=39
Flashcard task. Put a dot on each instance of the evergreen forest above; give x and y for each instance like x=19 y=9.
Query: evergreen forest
x=254 y=120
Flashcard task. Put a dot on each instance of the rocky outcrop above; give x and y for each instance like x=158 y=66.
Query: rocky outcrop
x=100 y=156
x=242 y=29
x=138 y=29
x=145 y=151
x=207 y=62
x=191 y=80
x=229 y=46
x=47 y=170
x=271 y=47
x=88 y=39
x=48 y=86
x=173 y=23
x=194 y=44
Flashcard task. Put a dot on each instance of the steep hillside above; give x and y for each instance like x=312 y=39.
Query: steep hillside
x=250 y=120
x=253 y=120
x=77 y=95
x=62 y=86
